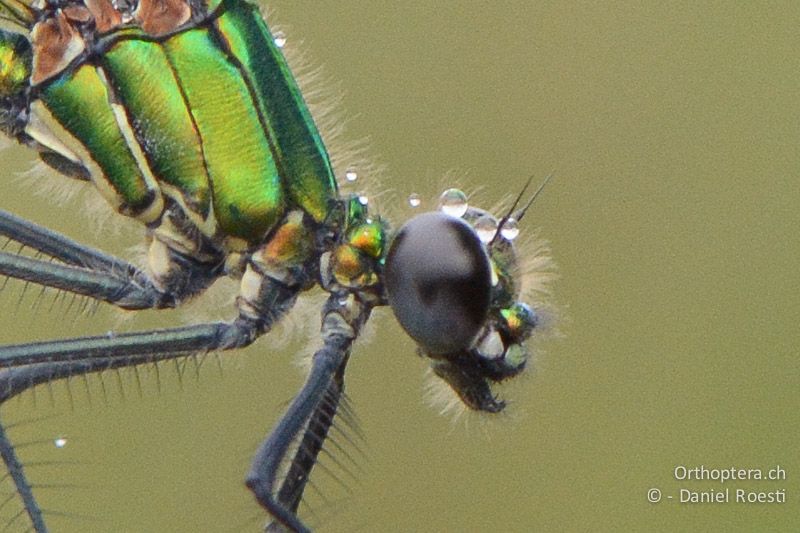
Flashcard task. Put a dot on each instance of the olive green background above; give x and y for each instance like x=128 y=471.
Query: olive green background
x=672 y=129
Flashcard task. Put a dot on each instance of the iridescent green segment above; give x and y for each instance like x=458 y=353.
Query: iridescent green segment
x=81 y=104
x=247 y=190
x=209 y=117
x=301 y=155
x=15 y=63
x=145 y=83
x=355 y=262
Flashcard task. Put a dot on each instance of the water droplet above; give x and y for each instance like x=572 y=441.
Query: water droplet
x=60 y=442
x=486 y=228
x=280 y=39
x=414 y=200
x=350 y=175
x=453 y=202
x=510 y=229
x=363 y=200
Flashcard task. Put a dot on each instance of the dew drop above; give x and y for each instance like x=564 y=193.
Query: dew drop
x=280 y=39
x=60 y=442
x=453 y=202
x=510 y=229
x=363 y=200
x=414 y=200
x=350 y=175
x=486 y=228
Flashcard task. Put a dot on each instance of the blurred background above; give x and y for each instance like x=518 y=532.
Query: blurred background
x=672 y=131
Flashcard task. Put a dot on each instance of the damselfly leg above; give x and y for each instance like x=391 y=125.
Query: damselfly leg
x=94 y=274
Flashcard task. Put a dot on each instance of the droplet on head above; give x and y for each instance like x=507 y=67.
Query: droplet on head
x=414 y=200
x=486 y=228
x=350 y=175
x=510 y=229
x=60 y=442
x=362 y=199
x=453 y=202
x=280 y=39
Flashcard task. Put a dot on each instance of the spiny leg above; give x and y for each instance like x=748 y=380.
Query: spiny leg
x=56 y=245
x=15 y=380
x=304 y=457
x=309 y=416
x=106 y=353
x=124 y=290
x=41 y=362
x=283 y=503
x=89 y=272
x=85 y=271
x=100 y=276
x=313 y=437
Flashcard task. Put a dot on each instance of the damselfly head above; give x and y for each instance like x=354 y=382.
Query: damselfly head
x=452 y=280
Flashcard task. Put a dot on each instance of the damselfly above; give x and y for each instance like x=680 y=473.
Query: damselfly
x=185 y=116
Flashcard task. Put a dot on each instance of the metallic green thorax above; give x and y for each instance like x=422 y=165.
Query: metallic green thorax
x=206 y=115
x=15 y=63
x=16 y=59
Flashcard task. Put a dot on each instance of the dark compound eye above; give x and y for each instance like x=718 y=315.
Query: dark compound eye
x=438 y=280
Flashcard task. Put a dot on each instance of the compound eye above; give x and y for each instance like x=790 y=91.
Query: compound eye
x=438 y=279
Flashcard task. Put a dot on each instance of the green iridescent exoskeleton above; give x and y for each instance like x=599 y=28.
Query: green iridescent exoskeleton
x=16 y=59
x=184 y=115
x=205 y=113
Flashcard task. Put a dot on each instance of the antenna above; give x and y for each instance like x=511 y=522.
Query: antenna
x=521 y=213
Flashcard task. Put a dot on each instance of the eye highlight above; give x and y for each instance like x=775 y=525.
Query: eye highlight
x=438 y=281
